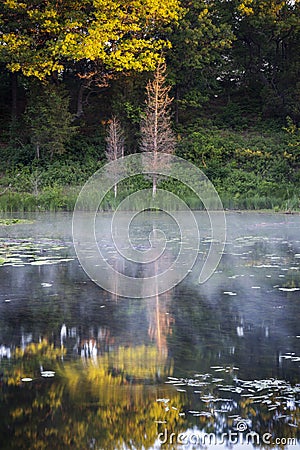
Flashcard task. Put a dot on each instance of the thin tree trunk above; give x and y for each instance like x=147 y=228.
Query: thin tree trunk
x=154 y=185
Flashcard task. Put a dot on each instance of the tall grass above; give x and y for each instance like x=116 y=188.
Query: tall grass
x=53 y=200
x=49 y=200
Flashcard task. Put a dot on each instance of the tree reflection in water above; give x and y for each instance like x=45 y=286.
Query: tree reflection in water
x=110 y=399
x=117 y=399
x=126 y=370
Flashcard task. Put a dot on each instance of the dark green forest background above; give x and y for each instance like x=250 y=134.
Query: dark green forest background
x=68 y=66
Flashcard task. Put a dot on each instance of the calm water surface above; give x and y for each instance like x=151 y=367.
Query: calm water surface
x=84 y=369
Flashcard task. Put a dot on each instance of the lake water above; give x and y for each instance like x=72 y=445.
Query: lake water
x=200 y=366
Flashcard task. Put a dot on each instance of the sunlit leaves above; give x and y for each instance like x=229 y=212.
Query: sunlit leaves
x=122 y=35
x=245 y=8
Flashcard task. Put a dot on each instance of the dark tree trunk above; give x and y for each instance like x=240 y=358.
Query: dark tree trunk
x=14 y=95
x=82 y=88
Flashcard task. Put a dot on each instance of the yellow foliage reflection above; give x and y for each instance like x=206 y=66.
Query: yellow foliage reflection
x=109 y=399
x=115 y=401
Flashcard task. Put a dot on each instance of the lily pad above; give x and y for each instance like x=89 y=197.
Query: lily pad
x=48 y=373
x=289 y=289
x=15 y=221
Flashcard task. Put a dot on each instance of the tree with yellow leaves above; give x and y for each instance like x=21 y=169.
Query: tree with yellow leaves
x=39 y=37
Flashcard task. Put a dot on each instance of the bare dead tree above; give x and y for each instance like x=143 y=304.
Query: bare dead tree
x=114 y=143
x=157 y=134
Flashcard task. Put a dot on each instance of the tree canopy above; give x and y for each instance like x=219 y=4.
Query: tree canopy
x=40 y=37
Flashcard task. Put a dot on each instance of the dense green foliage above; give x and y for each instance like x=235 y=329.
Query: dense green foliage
x=67 y=67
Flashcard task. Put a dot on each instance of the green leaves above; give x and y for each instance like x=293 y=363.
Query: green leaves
x=49 y=120
x=267 y=52
x=198 y=42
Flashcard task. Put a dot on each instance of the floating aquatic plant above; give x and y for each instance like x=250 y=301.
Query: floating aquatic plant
x=9 y=222
x=20 y=252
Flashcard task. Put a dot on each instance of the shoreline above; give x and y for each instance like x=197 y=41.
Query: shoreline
x=17 y=216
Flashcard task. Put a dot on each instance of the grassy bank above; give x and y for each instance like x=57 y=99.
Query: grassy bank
x=251 y=169
x=64 y=199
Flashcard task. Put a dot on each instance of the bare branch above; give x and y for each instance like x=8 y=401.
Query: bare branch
x=157 y=134
x=114 y=143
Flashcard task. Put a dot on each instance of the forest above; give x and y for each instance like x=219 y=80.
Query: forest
x=74 y=70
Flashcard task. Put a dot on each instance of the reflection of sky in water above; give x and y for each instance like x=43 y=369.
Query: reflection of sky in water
x=210 y=340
